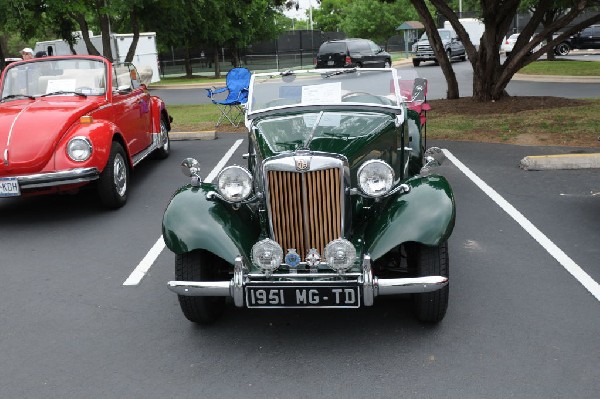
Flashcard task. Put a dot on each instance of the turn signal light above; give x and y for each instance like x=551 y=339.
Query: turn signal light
x=86 y=119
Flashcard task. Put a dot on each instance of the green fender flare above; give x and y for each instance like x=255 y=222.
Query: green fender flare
x=192 y=222
x=426 y=215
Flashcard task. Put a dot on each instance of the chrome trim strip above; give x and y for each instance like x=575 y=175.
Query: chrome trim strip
x=137 y=158
x=51 y=179
x=12 y=125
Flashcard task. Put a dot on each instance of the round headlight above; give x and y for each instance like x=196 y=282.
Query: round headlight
x=79 y=149
x=375 y=178
x=340 y=254
x=267 y=254
x=234 y=183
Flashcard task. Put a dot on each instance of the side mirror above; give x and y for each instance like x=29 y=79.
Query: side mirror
x=433 y=157
x=124 y=89
x=191 y=168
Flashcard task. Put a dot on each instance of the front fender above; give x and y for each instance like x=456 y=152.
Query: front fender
x=426 y=215
x=192 y=222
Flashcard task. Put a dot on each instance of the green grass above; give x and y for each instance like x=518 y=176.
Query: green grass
x=563 y=67
x=191 y=118
x=573 y=125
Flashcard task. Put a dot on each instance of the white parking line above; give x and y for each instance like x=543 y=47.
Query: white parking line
x=142 y=268
x=592 y=286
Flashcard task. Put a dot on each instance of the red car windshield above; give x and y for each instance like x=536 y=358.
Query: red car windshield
x=47 y=76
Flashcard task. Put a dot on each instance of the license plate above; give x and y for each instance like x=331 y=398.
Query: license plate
x=329 y=62
x=9 y=187
x=344 y=295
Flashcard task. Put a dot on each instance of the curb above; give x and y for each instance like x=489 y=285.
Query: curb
x=556 y=78
x=206 y=135
x=560 y=161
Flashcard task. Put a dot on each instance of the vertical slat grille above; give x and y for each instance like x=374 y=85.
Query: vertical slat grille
x=305 y=209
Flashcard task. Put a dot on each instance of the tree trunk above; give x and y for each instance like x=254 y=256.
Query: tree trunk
x=136 y=36
x=189 y=73
x=106 y=39
x=85 y=35
x=216 y=61
x=438 y=48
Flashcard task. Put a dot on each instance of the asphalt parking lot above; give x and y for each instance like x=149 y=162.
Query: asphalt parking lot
x=519 y=323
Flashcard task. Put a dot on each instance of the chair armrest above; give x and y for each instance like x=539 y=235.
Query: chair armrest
x=215 y=90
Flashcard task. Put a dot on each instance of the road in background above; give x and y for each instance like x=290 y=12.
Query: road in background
x=436 y=83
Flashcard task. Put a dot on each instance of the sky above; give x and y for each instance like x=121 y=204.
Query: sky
x=304 y=6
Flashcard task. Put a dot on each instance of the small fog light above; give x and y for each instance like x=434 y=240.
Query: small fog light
x=340 y=254
x=267 y=255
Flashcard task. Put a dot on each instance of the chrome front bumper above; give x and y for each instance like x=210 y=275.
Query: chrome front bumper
x=371 y=286
x=72 y=176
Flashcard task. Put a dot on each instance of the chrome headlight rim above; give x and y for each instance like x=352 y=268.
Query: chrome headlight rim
x=84 y=151
x=247 y=189
x=267 y=262
x=388 y=186
x=332 y=254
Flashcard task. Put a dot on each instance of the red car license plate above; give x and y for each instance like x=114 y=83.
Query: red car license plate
x=344 y=295
x=9 y=187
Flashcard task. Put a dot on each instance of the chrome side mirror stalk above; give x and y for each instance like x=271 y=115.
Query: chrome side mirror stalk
x=191 y=168
x=433 y=157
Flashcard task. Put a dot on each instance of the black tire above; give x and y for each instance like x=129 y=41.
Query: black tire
x=163 y=151
x=431 y=261
x=113 y=184
x=387 y=64
x=416 y=62
x=463 y=57
x=199 y=266
x=562 y=49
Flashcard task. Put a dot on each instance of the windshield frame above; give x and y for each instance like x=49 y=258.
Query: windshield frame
x=326 y=76
x=10 y=86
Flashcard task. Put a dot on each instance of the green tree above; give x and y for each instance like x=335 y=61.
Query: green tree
x=490 y=76
x=330 y=15
x=375 y=20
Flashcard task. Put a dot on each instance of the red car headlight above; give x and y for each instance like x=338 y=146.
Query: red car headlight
x=79 y=149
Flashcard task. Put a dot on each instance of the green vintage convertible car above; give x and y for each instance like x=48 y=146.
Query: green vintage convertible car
x=336 y=203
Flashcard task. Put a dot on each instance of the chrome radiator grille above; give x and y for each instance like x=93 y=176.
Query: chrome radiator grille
x=305 y=208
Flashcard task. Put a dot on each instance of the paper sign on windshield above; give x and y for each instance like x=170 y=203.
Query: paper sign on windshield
x=61 y=85
x=325 y=93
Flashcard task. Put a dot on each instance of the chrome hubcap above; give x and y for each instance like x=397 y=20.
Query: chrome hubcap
x=164 y=136
x=120 y=175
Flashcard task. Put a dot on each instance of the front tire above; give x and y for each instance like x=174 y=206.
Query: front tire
x=113 y=184
x=416 y=62
x=431 y=261
x=199 y=266
x=387 y=64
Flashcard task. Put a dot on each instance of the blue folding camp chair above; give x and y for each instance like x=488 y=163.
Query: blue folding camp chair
x=232 y=108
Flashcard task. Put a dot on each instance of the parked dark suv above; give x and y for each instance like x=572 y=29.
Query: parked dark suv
x=589 y=38
x=360 y=53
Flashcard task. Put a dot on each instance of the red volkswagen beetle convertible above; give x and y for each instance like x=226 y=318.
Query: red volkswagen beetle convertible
x=68 y=121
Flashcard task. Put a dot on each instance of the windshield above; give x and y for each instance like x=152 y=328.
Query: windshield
x=290 y=132
x=444 y=35
x=372 y=87
x=47 y=76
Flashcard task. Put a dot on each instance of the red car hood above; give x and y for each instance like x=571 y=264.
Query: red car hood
x=31 y=130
